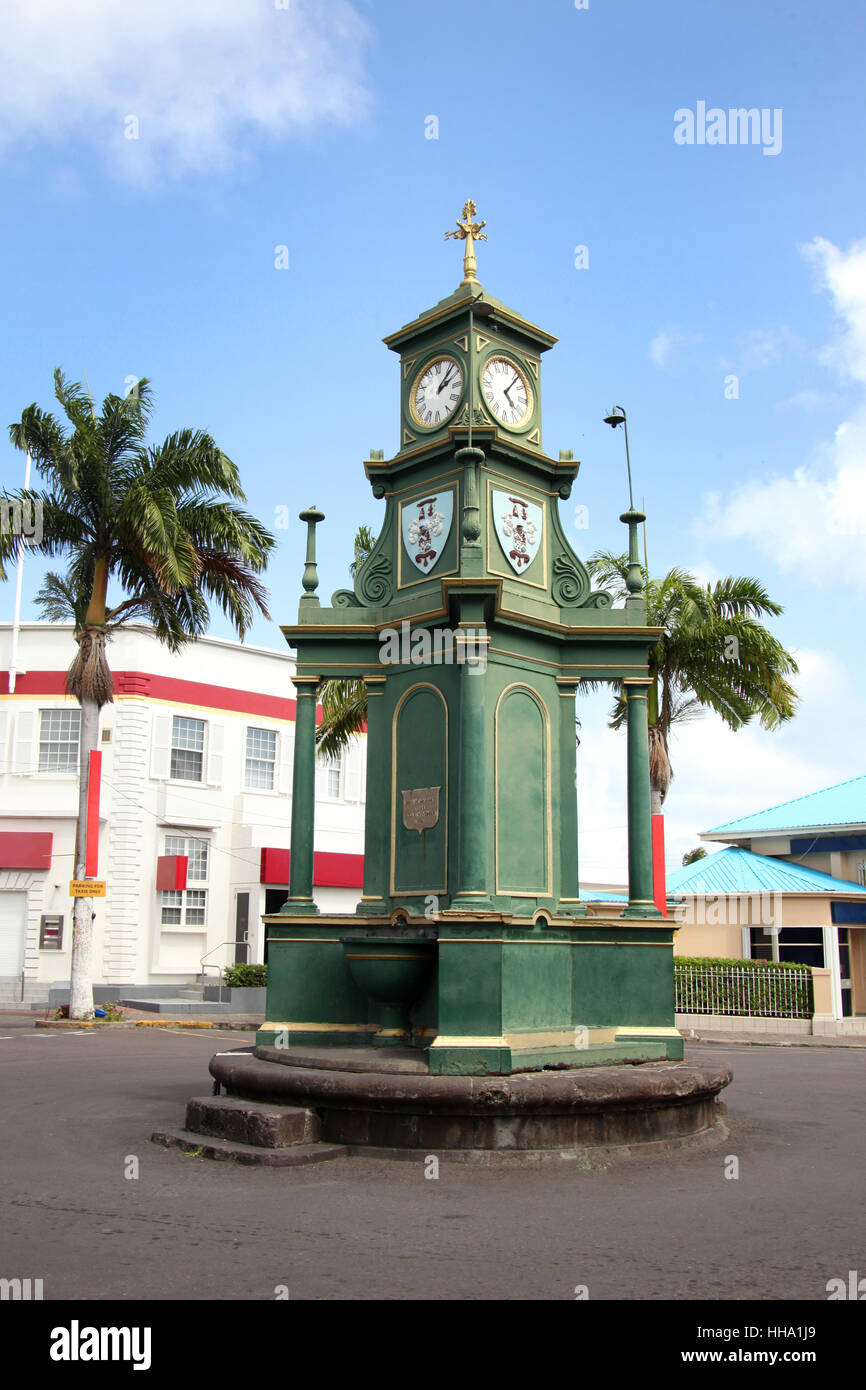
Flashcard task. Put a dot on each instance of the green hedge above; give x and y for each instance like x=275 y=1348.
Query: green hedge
x=245 y=976
x=716 y=993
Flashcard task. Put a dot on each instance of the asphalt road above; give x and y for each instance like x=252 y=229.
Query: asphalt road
x=76 y=1107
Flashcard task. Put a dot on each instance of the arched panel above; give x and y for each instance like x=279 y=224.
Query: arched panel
x=419 y=749
x=523 y=811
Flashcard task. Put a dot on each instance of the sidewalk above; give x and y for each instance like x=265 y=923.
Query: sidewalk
x=745 y=1038
x=249 y=1023
x=136 y=1018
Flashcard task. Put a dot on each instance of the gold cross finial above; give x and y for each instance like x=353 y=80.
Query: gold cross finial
x=470 y=232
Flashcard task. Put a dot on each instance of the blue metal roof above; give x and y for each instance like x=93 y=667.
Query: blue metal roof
x=734 y=870
x=599 y=896
x=844 y=804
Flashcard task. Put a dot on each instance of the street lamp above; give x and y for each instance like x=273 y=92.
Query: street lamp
x=613 y=420
x=632 y=518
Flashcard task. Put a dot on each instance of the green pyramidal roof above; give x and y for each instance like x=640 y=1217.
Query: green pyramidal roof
x=740 y=871
x=844 y=804
x=484 y=306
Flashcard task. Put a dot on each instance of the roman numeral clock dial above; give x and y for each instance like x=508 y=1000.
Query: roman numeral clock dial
x=506 y=392
x=436 y=392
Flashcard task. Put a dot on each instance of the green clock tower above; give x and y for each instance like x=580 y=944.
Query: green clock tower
x=472 y=623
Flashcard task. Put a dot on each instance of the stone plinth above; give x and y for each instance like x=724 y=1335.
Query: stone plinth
x=372 y=1105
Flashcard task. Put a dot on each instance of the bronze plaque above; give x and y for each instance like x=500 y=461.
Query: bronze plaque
x=421 y=808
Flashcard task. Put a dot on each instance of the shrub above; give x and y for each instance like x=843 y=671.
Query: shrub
x=245 y=976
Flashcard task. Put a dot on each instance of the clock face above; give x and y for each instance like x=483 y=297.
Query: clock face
x=506 y=391
x=436 y=392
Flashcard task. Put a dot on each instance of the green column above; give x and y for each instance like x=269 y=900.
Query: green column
x=475 y=797
x=569 y=871
x=300 y=899
x=640 y=856
x=376 y=812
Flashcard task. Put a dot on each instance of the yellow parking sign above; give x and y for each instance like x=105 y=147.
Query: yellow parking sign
x=86 y=888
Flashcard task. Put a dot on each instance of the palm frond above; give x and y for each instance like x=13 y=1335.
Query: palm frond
x=344 y=713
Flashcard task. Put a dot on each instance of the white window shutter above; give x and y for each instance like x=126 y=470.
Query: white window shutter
x=215 y=759
x=24 y=756
x=354 y=770
x=4 y=730
x=286 y=759
x=321 y=778
x=160 y=748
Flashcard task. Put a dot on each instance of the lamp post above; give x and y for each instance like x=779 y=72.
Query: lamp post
x=645 y=837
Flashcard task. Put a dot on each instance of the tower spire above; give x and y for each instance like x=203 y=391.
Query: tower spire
x=470 y=232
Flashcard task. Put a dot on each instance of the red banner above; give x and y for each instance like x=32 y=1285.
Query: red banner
x=91 y=858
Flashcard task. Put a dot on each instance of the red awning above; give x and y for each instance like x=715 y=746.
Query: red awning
x=171 y=873
x=25 y=849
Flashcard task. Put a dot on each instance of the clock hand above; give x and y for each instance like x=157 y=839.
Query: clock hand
x=446 y=381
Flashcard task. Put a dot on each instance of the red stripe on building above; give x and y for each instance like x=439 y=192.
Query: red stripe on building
x=330 y=870
x=181 y=692
x=91 y=856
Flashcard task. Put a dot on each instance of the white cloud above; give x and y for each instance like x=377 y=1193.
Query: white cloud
x=811 y=399
x=814 y=519
x=763 y=347
x=201 y=76
x=843 y=273
x=664 y=348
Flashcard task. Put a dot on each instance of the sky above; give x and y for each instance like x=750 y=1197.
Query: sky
x=239 y=198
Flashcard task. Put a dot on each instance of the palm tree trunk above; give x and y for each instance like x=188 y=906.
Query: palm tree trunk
x=81 y=975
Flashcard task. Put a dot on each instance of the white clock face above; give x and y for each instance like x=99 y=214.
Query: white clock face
x=437 y=391
x=506 y=391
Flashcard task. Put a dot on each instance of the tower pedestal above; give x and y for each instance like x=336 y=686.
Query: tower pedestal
x=505 y=994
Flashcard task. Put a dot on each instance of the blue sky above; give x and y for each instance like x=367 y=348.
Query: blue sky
x=305 y=127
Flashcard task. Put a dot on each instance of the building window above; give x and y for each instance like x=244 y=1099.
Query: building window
x=861 y=874
x=335 y=776
x=187 y=749
x=260 y=761
x=797 y=945
x=50 y=933
x=187 y=908
x=59 y=731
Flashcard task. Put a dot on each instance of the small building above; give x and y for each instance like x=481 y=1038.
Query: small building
x=194 y=815
x=790 y=885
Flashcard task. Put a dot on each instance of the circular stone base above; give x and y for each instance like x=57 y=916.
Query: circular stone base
x=527 y=1113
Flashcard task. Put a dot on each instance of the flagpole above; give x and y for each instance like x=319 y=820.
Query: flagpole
x=16 y=621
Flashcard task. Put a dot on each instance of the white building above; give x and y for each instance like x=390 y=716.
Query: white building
x=197 y=765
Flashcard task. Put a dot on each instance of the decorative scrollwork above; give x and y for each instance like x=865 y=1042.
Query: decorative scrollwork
x=345 y=598
x=374 y=583
x=570 y=582
x=600 y=599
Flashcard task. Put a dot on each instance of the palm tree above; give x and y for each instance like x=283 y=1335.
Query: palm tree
x=154 y=521
x=692 y=856
x=344 y=703
x=713 y=654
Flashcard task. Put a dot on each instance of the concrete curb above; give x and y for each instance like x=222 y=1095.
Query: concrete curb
x=756 y=1040
x=65 y=1024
